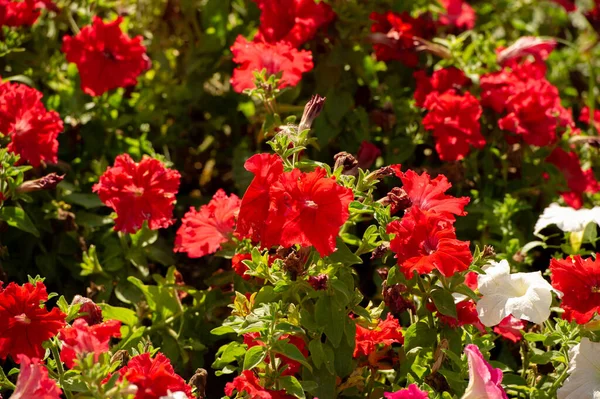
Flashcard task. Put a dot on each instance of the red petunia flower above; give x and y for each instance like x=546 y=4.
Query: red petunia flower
x=454 y=120
x=386 y=333
x=18 y=13
x=276 y=58
x=466 y=314
x=88 y=310
x=105 y=56
x=579 y=281
x=430 y=195
x=440 y=81
x=292 y=367
x=498 y=87
x=33 y=381
x=510 y=328
x=238 y=266
x=24 y=325
x=139 y=192
x=154 y=377
x=458 y=14
x=568 y=5
x=254 y=209
x=424 y=242
x=202 y=232
x=578 y=180
x=248 y=383
x=33 y=130
x=394 y=36
x=585 y=117
x=81 y=340
x=307 y=209
x=292 y=21
x=367 y=154
x=535 y=113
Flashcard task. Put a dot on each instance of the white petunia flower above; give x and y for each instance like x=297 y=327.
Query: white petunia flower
x=567 y=219
x=584 y=378
x=175 y=395
x=527 y=296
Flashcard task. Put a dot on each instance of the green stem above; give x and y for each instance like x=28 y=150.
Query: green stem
x=424 y=298
x=60 y=370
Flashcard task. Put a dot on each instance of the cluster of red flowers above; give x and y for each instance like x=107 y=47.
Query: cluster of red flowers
x=248 y=383
x=397 y=36
x=24 y=324
x=425 y=239
x=292 y=367
x=394 y=36
x=375 y=343
x=33 y=130
x=579 y=281
x=105 y=56
x=154 y=377
x=202 y=232
x=139 y=192
x=453 y=117
x=276 y=58
x=81 y=339
x=530 y=104
x=285 y=25
x=18 y=13
x=289 y=208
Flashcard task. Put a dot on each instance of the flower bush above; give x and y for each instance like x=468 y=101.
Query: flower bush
x=299 y=199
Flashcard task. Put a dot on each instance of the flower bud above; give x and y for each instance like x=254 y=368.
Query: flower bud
x=199 y=381
x=48 y=182
x=380 y=251
x=312 y=109
x=348 y=163
x=367 y=154
x=394 y=299
x=319 y=282
x=89 y=311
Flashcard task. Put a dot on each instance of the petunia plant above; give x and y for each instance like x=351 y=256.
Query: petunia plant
x=281 y=199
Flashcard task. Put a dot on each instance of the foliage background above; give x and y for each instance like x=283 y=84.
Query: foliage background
x=184 y=111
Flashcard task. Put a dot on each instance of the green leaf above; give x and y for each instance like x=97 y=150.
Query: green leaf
x=330 y=315
x=17 y=217
x=343 y=254
x=88 y=201
x=419 y=335
x=124 y=315
x=317 y=353
x=291 y=351
x=5 y=382
x=254 y=356
x=534 y=337
x=292 y=386
x=444 y=302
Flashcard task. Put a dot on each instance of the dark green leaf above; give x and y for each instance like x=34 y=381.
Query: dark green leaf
x=254 y=356
x=444 y=302
x=17 y=217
